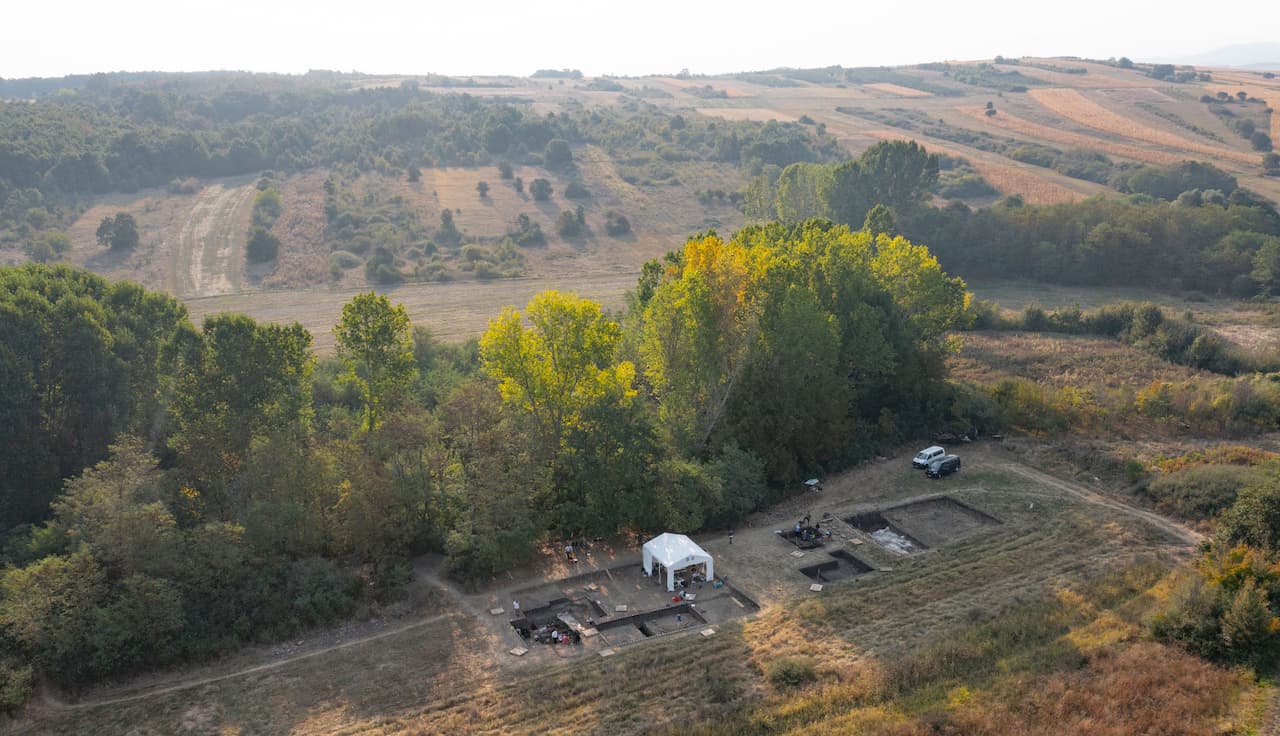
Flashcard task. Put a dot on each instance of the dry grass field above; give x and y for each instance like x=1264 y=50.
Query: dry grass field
x=1061 y=360
x=897 y=90
x=1056 y=555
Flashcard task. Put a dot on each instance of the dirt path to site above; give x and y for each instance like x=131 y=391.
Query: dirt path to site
x=1168 y=526
x=209 y=256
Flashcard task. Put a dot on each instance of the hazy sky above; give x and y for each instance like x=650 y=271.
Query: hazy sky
x=56 y=37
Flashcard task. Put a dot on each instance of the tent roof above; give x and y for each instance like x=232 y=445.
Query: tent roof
x=672 y=549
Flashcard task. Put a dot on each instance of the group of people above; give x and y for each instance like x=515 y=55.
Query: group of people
x=553 y=633
x=803 y=532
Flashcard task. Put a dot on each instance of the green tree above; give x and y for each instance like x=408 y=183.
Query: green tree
x=559 y=361
x=1254 y=519
x=802 y=191
x=49 y=608
x=482 y=188
x=568 y=225
x=448 y=232
x=238 y=380
x=557 y=154
x=375 y=343
x=262 y=246
x=540 y=189
x=879 y=221
x=118 y=233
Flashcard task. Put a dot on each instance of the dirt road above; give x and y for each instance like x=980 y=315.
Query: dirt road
x=1168 y=526
x=209 y=255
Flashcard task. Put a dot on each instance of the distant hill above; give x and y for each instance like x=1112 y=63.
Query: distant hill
x=1247 y=55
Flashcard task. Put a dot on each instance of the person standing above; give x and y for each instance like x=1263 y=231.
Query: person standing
x=730 y=536
x=568 y=551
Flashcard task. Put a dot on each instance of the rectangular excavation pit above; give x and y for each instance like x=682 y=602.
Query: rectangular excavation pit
x=889 y=535
x=640 y=626
x=937 y=521
x=843 y=566
x=583 y=610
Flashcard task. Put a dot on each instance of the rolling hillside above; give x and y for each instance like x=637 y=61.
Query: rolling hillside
x=1003 y=117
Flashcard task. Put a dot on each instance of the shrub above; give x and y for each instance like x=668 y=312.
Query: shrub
x=557 y=154
x=189 y=185
x=567 y=225
x=524 y=232
x=504 y=170
x=263 y=246
x=789 y=672
x=616 y=224
x=344 y=259
x=381 y=267
x=575 y=190
x=540 y=189
x=1200 y=492
x=267 y=207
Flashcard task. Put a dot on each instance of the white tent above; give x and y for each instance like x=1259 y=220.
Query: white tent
x=675 y=552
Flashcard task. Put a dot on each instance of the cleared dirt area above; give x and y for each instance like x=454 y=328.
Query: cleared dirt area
x=189 y=245
x=452 y=671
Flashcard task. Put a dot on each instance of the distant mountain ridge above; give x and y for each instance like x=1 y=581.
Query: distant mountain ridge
x=1245 y=55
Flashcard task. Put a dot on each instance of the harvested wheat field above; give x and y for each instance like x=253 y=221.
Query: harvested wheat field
x=1074 y=106
x=897 y=90
x=1036 y=131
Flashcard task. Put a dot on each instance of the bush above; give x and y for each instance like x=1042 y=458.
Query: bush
x=524 y=232
x=616 y=224
x=1200 y=492
x=789 y=672
x=567 y=225
x=575 y=190
x=263 y=246
x=540 y=189
x=557 y=154
x=344 y=259
x=15 y=684
x=189 y=185
x=267 y=207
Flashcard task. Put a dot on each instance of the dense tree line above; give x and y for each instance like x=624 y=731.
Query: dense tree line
x=222 y=486
x=1184 y=227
